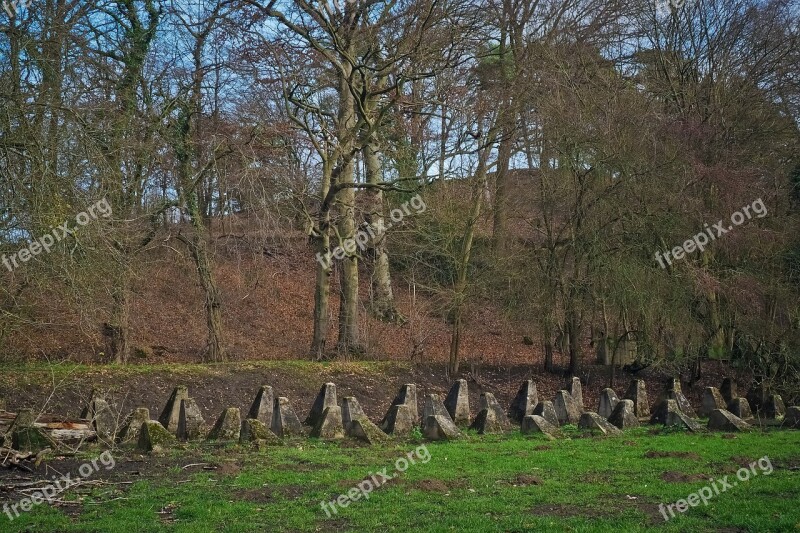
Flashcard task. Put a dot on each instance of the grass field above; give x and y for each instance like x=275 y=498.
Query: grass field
x=483 y=483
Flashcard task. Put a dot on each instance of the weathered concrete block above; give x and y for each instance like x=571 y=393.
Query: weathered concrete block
x=263 y=405
x=597 y=424
x=255 y=432
x=489 y=402
x=284 y=420
x=741 y=408
x=624 y=415
x=662 y=411
x=674 y=391
x=329 y=426
x=103 y=419
x=773 y=407
x=130 y=432
x=537 y=424
x=637 y=392
x=728 y=390
x=712 y=400
x=406 y=396
x=172 y=411
x=191 y=424
x=438 y=427
x=792 y=418
x=524 y=402
x=350 y=410
x=608 y=401
x=399 y=421
x=153 y=437
x=547 y=410
x=363 y=429
x=567 y=408
x=723 y=420
x=457 y=403
x=25 y=437
x=228 y=426
x=326 y=398
x=575 y=389
x=486 y=423
x=758 y=394
x=677 y=418
x=433 y=406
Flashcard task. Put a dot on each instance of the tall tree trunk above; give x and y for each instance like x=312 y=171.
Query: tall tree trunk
x=466 y=252
x=382 y=306
x=500 y=221
x=348 y=303
x=322 y=288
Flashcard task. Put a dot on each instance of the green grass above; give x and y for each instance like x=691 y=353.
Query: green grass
x=511 y=483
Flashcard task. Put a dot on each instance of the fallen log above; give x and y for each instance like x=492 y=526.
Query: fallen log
x=62 y=430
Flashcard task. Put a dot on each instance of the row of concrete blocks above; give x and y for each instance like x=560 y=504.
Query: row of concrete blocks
x=272 y=418
x=672 y=409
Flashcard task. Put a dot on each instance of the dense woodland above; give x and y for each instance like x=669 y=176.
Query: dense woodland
x=557 y=146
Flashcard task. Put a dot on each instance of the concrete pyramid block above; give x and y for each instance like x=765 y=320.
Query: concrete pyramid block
x=728 y=390
x=350 y=410
x=597 y=424
x=438 y=427
x=153 y=437
x=608 y=401
x=486 y=423
x=130 y=431
x=172 y=411
x=406 y=396
x=723 y=420
x=228 y=426
x=683 y=421
x=792 y=418
x=712 y=400
x=263 y=404
x=329 y=426
x=575 y=389
x=24 y=436
x=255 y=432
x=774 y=407
x=637 y=392
x=624 y=415
x=457 y=403
x=488 y=402
x=433 y=406
x=674 y=391
x=325 y=398
x=524 y=402
x=363 y=429
x=536 y=424
x=567 y=408
x=662 y=411
x=103 y=419
x=284 y=420
x=191 y=424
x=547 y=410
x=399 y=421
x=741 y=408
